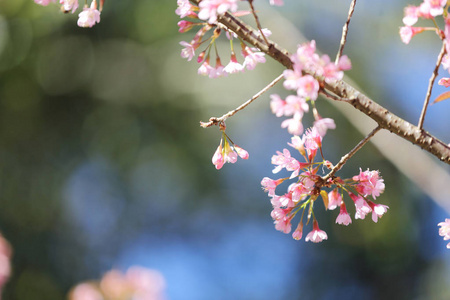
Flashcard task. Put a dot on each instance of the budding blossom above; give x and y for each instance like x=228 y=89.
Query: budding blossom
x=69 y=5
x=445 y=231
x=227 y=153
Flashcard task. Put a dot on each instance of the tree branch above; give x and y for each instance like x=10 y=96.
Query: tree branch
x=378 y=113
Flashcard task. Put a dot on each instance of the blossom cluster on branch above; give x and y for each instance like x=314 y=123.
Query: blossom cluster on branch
x=87 y=18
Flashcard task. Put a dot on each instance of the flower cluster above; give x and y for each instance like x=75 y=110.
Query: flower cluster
x=429 y=9
x=307 y=87
x=227 y=152
x=87 y=18
x=302 y=194
x=137 y=283
x=205 y=16
x=445 y=230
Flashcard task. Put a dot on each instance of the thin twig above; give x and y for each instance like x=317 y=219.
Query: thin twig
x=347 y=156
x=345 y=31
x=215 y=121
x=257 y=21
x=430 y=86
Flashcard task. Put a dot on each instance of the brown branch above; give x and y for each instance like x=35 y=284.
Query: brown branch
x=345 y=31
x=430 y=86
x=341 y=89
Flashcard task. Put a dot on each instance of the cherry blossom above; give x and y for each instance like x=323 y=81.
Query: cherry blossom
x=184 y=9
x=334 y=199
x=233 y=66
x=209 y=9
x=445 y=230
x=269 y=185
x=411 y=15
x=276 y=2
x=369 y=183
x=69 y=5
x=89 y=16
x=44 y=2
x=323 y=124
x=343 y=218
x=297 y=234
x=241 y=152
x=444 y=81
x=188 y=51
x=378 y=210
x=252 y=58
x=281 y=219
x=316 y=235
x=407 y=33
x=217 y=158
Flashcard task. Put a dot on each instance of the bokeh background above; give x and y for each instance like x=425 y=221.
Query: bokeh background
x=103 y=163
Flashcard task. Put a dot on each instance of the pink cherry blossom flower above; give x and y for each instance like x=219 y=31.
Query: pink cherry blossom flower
x=184 y=9
x=308 y=87
x=69 y=5
x=446 y=62
x=287 y=200
x=89 y=16
x=299 y=191
x=444 y=81
x=217 y=158
x=277 y=105
x=297 y=234
x=5 y=261
x=370 y=183
x=291 y=78
x=436 y=6
x=44 y=2
x=297 y=143
x=447 y=34
x=269 y=185
x=294 y=125
x=323 y=124
x=344 y=63
x=205 y=68
x=233 y=66
x=284 y=160
x=241 y=152
x=210 y=9
x=362 y=208
x=411 y=15
x=343 y=218
x=252 y=58
x=378 y=210
x=313 y=141
x=425 y=10
x=185 y=26
x=407 y=33
x=281 y=219
x=276 y=2
x=316 y=235
x=188 y=51
x=334 y=199
x=296 y=106
x=445 y=230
